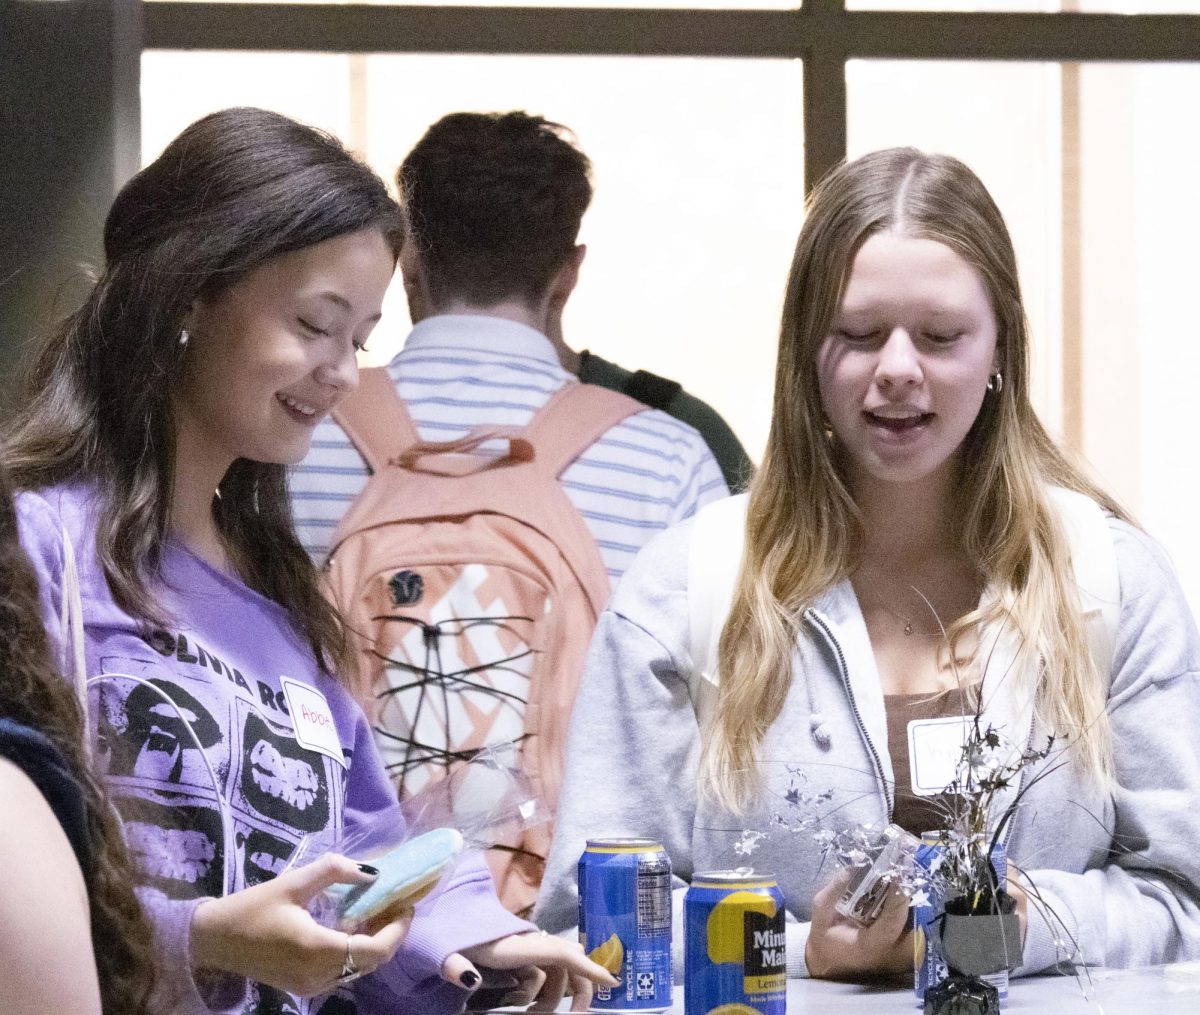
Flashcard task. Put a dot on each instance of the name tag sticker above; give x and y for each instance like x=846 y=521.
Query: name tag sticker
x=934 y=750
x=313 y=720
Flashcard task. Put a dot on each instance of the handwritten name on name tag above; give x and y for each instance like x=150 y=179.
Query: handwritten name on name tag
x=313 y=719
x=935 y=749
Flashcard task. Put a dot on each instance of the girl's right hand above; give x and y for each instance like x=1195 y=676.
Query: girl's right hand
x=839 y=948
x=266 y=933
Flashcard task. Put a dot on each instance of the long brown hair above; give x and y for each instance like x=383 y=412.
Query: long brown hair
x=804 y=530
x=235 y=189
x=34 y=694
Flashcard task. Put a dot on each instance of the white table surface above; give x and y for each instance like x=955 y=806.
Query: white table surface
x=1157 y=990
x=1163 y=989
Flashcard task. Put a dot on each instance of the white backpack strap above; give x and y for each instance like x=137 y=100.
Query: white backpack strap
x=714 y=557
x=71 y=624
x=1094 y=560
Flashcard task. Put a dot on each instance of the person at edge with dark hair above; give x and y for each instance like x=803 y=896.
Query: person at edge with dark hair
x=67 y=890
x=914 y=546
x=245 y=267
x=493 y=204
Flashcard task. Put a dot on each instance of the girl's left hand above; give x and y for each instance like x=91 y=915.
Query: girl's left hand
x=546 y=968
x=1016 y=889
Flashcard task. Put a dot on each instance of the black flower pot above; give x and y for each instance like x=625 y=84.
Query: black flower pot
x=976 y=941
x=980 y=943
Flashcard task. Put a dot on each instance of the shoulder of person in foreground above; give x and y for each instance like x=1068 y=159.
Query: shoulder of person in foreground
x=45 y=925
x=1142 y=906
x=633 y=705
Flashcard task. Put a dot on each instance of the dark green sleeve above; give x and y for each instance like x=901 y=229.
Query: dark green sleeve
x=735 y=464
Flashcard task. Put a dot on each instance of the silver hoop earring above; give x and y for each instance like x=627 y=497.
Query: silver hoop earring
x=995 y=383
x=183 y=336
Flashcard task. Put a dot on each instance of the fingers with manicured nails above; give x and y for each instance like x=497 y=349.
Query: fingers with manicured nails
x=536 y=949
x=461 y=971
x=331 y=869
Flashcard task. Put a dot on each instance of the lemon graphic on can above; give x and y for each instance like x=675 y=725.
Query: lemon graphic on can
x=609 y=954
x=726 y=924
x=735 y=1009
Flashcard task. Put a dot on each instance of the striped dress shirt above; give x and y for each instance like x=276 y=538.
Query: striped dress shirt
x=459 y=372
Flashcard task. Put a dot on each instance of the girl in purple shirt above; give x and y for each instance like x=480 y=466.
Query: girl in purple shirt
x=245 y=268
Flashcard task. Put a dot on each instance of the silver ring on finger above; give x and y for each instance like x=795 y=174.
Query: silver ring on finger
x=350 y=970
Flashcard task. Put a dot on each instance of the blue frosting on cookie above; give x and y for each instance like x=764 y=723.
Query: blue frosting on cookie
x=403 y=871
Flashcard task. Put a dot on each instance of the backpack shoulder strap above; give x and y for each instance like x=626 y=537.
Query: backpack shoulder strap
x=1094 y=561
x=714 y=557
x=656 y=392
x=376 y=420
x=575 y=417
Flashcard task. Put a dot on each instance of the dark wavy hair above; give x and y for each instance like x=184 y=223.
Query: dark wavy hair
x=34 y=694
x=235 y=189
x=493 y=202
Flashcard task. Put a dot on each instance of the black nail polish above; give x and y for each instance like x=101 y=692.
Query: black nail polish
x=366 y=868
x=469 y=979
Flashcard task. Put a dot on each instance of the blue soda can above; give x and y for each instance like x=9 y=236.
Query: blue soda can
x=625 y=921
x=735 y=958
x=929 y=968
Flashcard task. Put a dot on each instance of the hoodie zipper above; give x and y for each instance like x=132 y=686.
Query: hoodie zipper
x=815 y=619
x=1020 y=783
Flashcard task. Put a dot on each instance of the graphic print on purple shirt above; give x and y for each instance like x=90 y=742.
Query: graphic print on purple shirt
x=272 y=789
x=201 y=727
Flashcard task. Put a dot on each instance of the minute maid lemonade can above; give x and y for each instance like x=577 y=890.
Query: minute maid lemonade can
x=625 y=921
x=929 y=968
x=735 y=960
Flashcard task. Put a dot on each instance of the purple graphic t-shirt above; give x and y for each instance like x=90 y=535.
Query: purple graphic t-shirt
x=224 y=745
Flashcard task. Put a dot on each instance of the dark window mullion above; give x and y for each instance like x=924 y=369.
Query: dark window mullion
x=823 y=34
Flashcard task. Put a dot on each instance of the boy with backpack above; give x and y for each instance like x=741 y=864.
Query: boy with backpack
x=475 y=501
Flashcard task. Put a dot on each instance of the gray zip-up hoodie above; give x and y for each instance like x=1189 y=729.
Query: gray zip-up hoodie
x=1120 y=867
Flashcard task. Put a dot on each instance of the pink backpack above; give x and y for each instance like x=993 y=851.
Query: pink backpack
x=474 y=585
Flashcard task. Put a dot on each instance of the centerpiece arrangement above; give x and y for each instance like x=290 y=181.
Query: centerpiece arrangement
x=964 y=916
x=966 y=928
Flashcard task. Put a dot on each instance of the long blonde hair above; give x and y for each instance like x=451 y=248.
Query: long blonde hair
x=804 y=531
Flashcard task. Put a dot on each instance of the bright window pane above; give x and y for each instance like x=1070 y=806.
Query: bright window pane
x=1003 y=120
x=698 y=168
x=1140 y=220
x=1121 y=238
